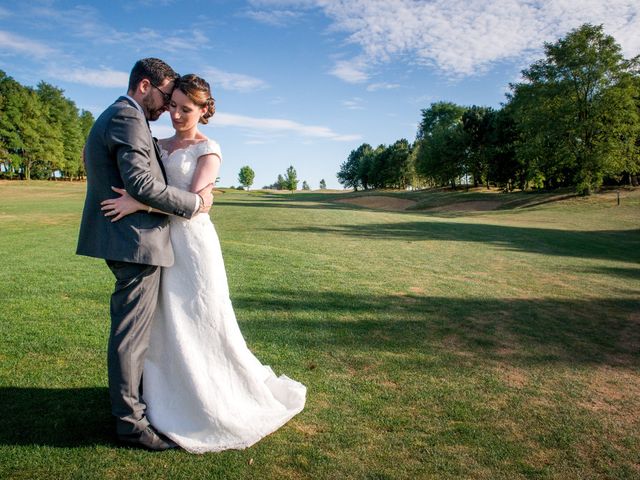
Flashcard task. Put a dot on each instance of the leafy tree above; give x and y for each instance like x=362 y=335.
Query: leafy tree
x=291 y=179
x=351 y=172
x=503 y=167
x=246 y=176
x=478 y=124
x=399 y=169
x=439 y=116
x=576 y=111
x=281 y=183
x=441 y=144
x=86 y=122
x=323 y=184
x=305 y=185
x=65 y=127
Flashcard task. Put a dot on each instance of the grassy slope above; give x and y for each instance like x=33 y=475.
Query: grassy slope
x=483 y=345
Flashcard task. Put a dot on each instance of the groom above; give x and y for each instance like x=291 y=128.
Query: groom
x=120 y=152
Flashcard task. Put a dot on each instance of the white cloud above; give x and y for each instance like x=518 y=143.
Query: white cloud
x=102 y=77
x=354 y=104
x=382 y=86
x=462 y=38
x=278 y=125
x=350 y=71
x=275 y=18
x=233 y=81
x=84 y=22
x=16 y=44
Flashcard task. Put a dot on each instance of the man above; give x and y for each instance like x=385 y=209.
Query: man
x=121 y=152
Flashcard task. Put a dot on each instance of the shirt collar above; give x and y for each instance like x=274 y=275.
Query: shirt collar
x=136 y=104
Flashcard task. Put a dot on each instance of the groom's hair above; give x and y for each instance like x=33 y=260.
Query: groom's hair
x=153 y=69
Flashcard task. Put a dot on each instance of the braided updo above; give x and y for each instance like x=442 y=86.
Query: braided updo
x=199 y=92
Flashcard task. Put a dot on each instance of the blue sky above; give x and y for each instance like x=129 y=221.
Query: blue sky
x=299 y=82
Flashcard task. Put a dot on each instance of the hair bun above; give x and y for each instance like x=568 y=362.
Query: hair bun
x=211 y=109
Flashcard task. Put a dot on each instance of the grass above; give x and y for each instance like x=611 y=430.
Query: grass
x=488 y=345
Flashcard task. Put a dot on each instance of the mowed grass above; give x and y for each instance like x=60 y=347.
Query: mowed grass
x=489 y=345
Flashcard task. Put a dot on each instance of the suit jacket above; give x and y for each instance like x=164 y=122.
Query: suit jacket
x=120 y=152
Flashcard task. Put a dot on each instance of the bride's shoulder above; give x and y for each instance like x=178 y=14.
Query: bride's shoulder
x=208 y=146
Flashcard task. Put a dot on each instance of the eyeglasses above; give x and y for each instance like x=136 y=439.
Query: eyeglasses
x=165 y=96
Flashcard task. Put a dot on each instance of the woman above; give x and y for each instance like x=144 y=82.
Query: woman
x=204 y=389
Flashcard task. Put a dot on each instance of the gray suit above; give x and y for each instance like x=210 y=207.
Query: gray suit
x=120 y=152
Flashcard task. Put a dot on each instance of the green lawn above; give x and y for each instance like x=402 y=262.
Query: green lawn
x=490 y=345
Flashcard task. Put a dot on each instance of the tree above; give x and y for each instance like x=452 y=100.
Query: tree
x=441 y=144
x=503 y=167
x=478 y=124
x=291 y=179
x=351 y=173
x=323 y=184
x=65 y=127
x=399 y=169
x=439 y=116
x=305 y=185
x=281 y=182
x=246 y=176
x=576 y=111
x=86 y=122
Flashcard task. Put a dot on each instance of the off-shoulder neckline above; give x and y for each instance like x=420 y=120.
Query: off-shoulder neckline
x=169 y=153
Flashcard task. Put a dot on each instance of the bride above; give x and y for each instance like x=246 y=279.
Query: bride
x=203 y=388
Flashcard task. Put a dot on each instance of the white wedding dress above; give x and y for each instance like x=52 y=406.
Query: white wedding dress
x=203 y=388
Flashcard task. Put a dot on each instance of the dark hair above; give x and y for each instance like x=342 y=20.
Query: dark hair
x=153 y=69
x=199 y=92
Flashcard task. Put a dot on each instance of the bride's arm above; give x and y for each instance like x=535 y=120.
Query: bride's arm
x=203 y=181
x=206 y=172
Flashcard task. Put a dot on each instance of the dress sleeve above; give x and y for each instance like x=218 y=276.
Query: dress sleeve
x=210 y=147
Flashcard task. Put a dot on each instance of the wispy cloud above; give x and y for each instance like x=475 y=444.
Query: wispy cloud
x=280 y=126
x=17 y=44
x=103 y=77
x=238 y=82
x=275 y=18
x=4 y=12
x=351 y=71
x=463 y=38
x=382 y=86
x=84 y=22
x=353 y=104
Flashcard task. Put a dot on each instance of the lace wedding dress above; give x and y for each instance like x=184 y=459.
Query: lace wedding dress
x=203 y=388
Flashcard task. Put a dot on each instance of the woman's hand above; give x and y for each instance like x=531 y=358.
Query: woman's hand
x=122 y=206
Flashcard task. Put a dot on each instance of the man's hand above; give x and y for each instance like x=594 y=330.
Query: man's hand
x=206 y=195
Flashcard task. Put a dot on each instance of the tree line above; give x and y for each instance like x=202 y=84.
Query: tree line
x=41 y=132
x=573 y=121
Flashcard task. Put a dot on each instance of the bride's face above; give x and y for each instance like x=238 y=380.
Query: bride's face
x=184 y=113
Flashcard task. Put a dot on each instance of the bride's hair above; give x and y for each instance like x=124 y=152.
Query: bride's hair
x=199 y=92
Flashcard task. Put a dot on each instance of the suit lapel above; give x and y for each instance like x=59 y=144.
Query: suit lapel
x=156 y=147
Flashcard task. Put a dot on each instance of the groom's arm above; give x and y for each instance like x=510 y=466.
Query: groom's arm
x=129 y=137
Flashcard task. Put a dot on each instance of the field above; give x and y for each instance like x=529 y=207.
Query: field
x=435 y=342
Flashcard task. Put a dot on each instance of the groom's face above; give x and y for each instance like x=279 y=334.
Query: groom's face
x=155 y=102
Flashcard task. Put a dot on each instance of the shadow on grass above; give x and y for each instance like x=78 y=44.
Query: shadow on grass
x=425 y=200
x=536 y=331
x=56 y=417
x=631 y=273
x=622 y=245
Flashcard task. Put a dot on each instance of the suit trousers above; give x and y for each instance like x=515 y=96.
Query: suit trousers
x=133 y=305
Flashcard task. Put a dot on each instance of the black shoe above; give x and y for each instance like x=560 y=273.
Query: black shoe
x=148 y=438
